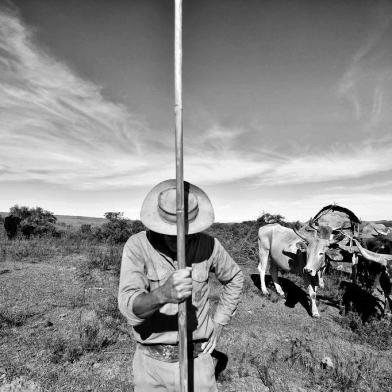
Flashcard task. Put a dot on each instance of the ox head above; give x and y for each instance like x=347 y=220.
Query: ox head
x=317 y=245
x=380 y=258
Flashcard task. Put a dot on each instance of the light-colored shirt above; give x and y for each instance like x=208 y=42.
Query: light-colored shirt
x=143 y=269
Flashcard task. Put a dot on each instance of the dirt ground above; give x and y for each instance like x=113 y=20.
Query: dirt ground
x=61 y=331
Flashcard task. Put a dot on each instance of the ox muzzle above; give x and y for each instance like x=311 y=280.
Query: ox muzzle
x=310 y=271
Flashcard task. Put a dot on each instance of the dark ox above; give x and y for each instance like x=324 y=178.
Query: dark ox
x=11 y=225
x=377 y=261
x=295 y=251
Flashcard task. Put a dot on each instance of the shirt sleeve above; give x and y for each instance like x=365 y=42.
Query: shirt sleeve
x=133 y=279
x=232 y=278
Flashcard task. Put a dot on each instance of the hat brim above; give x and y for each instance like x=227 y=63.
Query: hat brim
x=151 y=218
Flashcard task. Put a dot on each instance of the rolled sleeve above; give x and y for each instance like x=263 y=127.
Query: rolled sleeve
x=133 y=280
x=232 y=278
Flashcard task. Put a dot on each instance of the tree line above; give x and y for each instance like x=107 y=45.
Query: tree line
x=25 y=222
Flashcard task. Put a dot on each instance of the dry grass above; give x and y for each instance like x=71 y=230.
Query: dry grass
x=61 y=329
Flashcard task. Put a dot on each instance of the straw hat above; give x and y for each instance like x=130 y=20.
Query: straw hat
x=158 y=211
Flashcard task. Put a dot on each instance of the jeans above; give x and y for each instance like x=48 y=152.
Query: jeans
x=154 y=375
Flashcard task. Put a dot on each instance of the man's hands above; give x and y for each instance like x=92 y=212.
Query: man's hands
x=209 y=346
x=178 y=286
x=176 y=289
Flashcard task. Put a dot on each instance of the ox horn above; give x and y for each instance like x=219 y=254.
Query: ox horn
x=312 y=223
x=306 y=237
x=379 y=258
x=384 y=233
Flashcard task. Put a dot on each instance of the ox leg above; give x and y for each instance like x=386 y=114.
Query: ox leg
x=312 y=289
x=354 y=262
x=274 y=274
x=320 y=275
x=262 y=267
x=386 y=286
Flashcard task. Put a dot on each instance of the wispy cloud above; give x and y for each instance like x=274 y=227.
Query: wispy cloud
x=349 y=161
x=57 y=127
x=366 y=83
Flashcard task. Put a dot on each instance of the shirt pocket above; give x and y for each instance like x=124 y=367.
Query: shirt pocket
x=157 y=275
x=199 y=282
x=200 y=272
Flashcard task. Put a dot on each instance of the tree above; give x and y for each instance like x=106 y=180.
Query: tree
x=137 y=226
x=114 y=216
x=117 y=230
x=267 y=218
x=34 y=221
x=11 y=226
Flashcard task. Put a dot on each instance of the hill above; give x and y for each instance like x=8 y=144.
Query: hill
x=74 y=220
x=385 y=222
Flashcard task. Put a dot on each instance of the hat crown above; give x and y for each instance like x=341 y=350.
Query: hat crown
x=167 y=205
x=159 y=209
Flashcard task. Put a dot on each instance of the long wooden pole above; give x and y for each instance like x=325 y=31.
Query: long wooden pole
x=182 y=319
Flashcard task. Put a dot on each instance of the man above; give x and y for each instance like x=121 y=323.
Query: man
x=152 y=286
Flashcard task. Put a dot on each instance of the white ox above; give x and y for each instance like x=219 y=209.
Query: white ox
x=295 y=251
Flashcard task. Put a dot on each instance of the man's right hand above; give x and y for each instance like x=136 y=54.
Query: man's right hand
x=178 y=286
x=176 y=289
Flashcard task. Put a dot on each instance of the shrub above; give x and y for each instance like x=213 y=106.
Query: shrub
x=64 y=350
x=104 y=257
x=117 y=229
x=89 y=337
x=34 y=221
x=14 y=318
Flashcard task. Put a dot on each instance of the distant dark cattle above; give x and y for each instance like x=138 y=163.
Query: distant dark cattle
x=11 y=224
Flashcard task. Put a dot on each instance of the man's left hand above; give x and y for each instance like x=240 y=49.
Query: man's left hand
x=209 y=346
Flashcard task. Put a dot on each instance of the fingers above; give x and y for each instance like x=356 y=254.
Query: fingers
x=183 y=291
x=182 y=284
x=208 y=347
x=183 y=273
x=182 y=278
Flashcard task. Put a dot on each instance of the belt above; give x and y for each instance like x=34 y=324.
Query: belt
x=169 y=352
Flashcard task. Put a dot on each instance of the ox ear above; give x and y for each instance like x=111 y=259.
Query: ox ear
x=301 y=245
x=334 y=254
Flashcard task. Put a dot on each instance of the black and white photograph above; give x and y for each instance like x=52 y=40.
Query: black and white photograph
x=195 y=196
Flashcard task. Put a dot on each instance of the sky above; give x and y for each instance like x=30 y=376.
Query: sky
x=287 y=105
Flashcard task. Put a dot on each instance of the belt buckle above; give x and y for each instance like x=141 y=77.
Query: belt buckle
x=170 y=352
x=161 y=352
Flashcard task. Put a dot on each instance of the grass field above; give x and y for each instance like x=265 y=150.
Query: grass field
x=60 y=329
